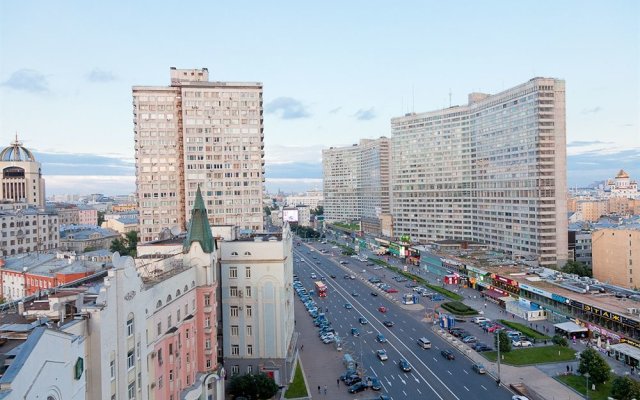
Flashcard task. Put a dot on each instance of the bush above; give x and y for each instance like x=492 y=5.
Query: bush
x=458 y=308
x=560 y=341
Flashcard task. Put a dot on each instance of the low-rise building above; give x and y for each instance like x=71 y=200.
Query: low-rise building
x=81 y=238
x=28 y=229
x=122 y=225
x=616 y=255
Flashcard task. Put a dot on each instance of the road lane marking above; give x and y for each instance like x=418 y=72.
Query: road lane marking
x=418 y=390
x=405 y=393
x=449 y=372
x=465 y=371
x=482 y=386
x=466 y=388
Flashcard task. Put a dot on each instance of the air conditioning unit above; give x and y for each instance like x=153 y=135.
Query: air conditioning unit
x=153 y=385
x=153 y=354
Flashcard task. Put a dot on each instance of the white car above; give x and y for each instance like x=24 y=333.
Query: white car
x=518 y=397
x=522 y=343
x=478 y=320
x=382 y=355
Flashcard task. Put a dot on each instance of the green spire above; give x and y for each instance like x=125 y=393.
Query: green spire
x=199 y=229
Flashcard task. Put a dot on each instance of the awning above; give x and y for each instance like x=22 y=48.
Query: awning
x=571 y=327
x=627 y=350
x=494 y=294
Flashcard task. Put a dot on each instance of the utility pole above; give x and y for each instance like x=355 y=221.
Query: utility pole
x=498 y=337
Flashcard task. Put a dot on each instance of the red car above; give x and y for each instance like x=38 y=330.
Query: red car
x=391 y=290
x=494 y=328
x=382 y=309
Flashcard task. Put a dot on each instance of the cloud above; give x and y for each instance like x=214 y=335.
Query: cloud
x=299 y=170
x=292 y=185
x=365 y=115
x=288 y=108
x=84 y=164
x=27 y=80
x=593 y=110
x=598 y=165
x=283 y=154
x=87 y=184
x=100 y=76
x=581 y=143
x=335 y=110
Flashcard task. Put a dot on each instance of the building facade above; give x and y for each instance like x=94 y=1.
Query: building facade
x=312 y=199
x=622 y=185
x=492 y=171
x=20 y=176
x=257 y=305
x=28 y=229
x=79 y=239
x=616 y=256
x=198 y=133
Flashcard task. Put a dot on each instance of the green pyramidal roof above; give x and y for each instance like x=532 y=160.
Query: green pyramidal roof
x=199 y=229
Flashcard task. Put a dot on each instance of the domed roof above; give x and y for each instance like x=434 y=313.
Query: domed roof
x=622 y=174
x=15 y=152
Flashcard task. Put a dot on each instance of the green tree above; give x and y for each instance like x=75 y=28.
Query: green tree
x=505 y=342
x=578 y=268
x=100 y=217
x=318 y=210
x=267 y=210
x=126 y=246
x=625 y=388
x=255 y=387
x=592 y=362
x=560 y=341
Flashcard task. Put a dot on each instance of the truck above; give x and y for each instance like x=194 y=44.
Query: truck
x=321 y=288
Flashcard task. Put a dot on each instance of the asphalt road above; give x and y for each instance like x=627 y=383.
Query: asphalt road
x=432 y=377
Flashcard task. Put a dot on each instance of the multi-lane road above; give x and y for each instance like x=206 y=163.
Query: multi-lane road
x=432 y=376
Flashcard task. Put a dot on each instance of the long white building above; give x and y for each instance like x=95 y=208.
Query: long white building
x=198 y=133
x=492 y=171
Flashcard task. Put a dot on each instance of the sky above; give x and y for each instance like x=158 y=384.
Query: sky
x=334 y=72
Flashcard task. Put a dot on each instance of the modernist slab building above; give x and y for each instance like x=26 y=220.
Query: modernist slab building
x=491 y=171
x=198 y=133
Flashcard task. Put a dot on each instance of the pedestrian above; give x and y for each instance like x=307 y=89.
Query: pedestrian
x=498 y=382
x=301 y=347
x=325 y=390
x=567 y=368
x=485 y=305
x=318 y=389
x=338 y=382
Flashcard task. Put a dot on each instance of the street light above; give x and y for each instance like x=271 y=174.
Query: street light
x=498 y=345
x=586 y=375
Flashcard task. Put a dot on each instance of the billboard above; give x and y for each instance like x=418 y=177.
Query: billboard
x=290 y=215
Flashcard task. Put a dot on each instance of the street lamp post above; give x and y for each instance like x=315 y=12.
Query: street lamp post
x=498 y=345
x=586 y=375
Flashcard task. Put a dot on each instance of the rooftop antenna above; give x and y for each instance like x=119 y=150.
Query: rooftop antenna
x=413 y=99
x=449 y=97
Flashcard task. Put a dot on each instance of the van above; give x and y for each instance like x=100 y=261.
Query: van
x=348 y=361
x=424 y=343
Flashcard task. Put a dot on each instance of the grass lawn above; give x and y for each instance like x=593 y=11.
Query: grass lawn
x=532 y=333
x=579 y=383
x=351 y=227
x=297 y=387
x=534 y=355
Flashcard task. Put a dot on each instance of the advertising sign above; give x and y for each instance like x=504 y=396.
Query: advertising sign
x=290 y=215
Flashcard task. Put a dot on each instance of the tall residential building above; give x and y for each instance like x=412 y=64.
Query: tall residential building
x=356 y=182
x=21 y=178
x=492 y=171
x=198 y=133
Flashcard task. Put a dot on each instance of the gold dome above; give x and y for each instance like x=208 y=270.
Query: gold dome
x=622 y=175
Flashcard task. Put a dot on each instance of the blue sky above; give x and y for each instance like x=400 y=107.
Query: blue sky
x=333 y=72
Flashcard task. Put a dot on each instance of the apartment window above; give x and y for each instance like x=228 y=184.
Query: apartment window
x=130 y=327
x=186 y=309
x=139 y=380
x=186 y=334
x=233 y=291
x=249 y=369
x=249 y=349
x=131 y=390
x=112 y=369
x=234 y=330
x=160 y=382
x=234 y=311
x=247 y=272
x=235 y=350
x=208 y=363
x=170 y=349
x=207 y=344
x=235 y=369
x=178 y=315
x=169 y=322
x=207 y=322
x=249 y=311
x=233 y=272
x=207 y=300
x=247 y=291
x=159 y=328
x=130 y=359
x=188 y=358
x=249 y=330
x=170 y=375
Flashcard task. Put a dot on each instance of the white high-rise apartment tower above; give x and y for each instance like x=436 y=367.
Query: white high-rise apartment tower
x=492 y=171
x=195 y=132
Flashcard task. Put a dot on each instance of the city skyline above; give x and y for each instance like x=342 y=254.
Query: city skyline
x=324 y=85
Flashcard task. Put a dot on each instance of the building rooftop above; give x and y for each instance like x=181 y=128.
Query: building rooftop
x=85 y=233
x=48 y=264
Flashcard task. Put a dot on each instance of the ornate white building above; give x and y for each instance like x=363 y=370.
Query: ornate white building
x=622 y=186
x=20 y=176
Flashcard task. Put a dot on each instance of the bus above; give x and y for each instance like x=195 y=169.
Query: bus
x=321 y=289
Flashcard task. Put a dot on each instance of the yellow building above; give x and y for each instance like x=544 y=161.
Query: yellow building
x=616 y=256
x=592 y=210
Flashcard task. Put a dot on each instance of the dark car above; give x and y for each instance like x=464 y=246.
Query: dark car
x=480 y=347
x=404 y=365
x=348 y=373
x=352 y=380
x=381 y=339
x=358 y=387
x=348 y=306
x=333 y=276
x=374 y=294
x=363 y=321
x=354 y=294
x=448 y=354
x=388 y=324
x=374 y=383
x=355 y=332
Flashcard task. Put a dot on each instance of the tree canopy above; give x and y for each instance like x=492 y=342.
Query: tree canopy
x=505 y=342
x=578 y=268
x=254 y=387
x=592 y=362
x=625 y=388
x=126 y=246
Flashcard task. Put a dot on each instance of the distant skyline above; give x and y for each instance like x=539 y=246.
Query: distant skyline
x=333 y=73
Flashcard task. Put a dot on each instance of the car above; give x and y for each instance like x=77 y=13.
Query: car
x=494 y=328
x=370 y=264
x=332 y=276
x=352 y=277
x=344 y=262
x=382 y=355
x=347 y=374
x=374 y=294
x=381 y=339
x=448 y=354
x=391 y=290
x=378 y=267
x=358 y=387
x=352 y=380
x=410 y=285
x=518 y=397
x=382 y=309
x=404 y=365
x=348 y=306
x=346 y=277
x=469 y=339
x=522 y=343
x=374 y=383
x=479 y=368
x=313 y=276
x=363 y=321
x=478 y=320
x=354 y=294
x=355 y=332
x=388 y=324
x=480 y=347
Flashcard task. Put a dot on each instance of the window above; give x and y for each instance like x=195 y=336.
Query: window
x=130 y=359
x=131 y=390
x=235 y=350
x=249 y=311
x=233 y=272
x=188 y=358
x=207 y=344
x=130 y=327
x=112 y=369
x=234 y=311
x=249 y=330
x=247 y=272
x=207 y=322
x=159 y=328
x=170 y=349
x=208 y=363
x=234 y=330
x=235 y=369
x=169 y=321
x=139 y=380
x=249 y=369
x=178 y=315
x=233 y=291
x=186 y=334
x=249 y=349
x=207 y=300
x=170 y=375
x=247 y=291
x=160 y=382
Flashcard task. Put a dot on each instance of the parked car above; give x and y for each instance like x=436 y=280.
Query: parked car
x=313 y=276
x=479 y=368
x=352 y=380
x=348 y=373
x=494 y=328
x=382 y=355
x=358 y=387
x=404 y=365
x=348 y=306
x=478 y=320
x=374 y=294
x=448 y=354
x=354 y=294
x=480 y=347
x=391 y=290
x=355 y=332
x=374 y=383
x=469 y=339
x=521 y=343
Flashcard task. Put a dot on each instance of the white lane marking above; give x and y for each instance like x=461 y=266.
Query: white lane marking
x=465 y=371
x=435 y=359
x=405 y=393
x=418 y=390
x=403 y=381
x=417 y=380
x=401 y=330
x=411 y=338
x=438 y=348
x=466 y=388
x=482 y=386
x=449 y=372
x=393 y=376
